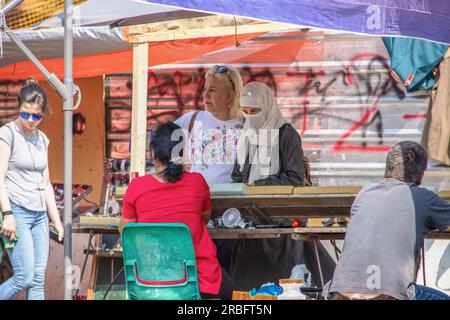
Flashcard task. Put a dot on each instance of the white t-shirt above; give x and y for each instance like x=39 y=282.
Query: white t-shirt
x=213 y=145
x=25 y=175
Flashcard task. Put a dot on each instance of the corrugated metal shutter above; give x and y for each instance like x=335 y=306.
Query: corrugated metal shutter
x=334 y=88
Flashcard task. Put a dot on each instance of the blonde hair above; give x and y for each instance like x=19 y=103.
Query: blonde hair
x=233 y=80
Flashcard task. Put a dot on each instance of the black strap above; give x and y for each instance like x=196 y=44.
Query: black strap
x=191 y=122
x=282 y=128
x=12 y=137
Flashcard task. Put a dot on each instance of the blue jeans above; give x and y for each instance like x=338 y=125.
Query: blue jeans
x=426 y=293
x=29 y=256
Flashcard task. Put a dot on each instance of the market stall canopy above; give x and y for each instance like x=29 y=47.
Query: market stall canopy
x=426 y=19
x=118 y=13
x=98 y=51
x=101 y=49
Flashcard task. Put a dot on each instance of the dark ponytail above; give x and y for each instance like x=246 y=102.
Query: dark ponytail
x=167 y=145
x=32 y=92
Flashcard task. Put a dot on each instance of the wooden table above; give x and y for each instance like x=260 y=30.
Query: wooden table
x=307 y=234
x=268 y=209
x=223 y=233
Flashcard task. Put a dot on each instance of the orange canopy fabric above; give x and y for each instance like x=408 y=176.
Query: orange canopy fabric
x=91 y=65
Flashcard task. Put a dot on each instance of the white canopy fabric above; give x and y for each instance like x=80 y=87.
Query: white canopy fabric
x=117 y=13
x=49 y=43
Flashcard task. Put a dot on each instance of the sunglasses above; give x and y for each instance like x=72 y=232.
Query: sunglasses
x=224 y=69
x=34 y=116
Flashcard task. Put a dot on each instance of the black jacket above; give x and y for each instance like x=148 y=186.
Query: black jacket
x=291 y=171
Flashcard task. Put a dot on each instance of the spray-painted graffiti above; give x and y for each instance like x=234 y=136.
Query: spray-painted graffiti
x=369 y=86
x=366 y=77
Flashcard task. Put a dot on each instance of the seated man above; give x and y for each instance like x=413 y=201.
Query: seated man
x=389 y=222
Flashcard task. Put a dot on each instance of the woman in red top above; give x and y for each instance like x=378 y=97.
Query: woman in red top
x=173 y=195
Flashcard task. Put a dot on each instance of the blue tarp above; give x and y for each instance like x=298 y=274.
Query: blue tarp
x=426 y=19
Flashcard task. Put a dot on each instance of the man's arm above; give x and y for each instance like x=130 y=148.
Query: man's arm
x=438 y=213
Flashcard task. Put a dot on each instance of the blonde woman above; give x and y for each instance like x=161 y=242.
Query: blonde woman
x=214 y=132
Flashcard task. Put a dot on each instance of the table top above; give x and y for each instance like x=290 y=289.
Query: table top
x=317 y=233
x=304 y=202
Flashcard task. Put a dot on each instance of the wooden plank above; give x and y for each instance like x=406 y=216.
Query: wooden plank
x=268 y=190
x=99 y=220
x=328 y=190
x=226 y=188
x=316 y=236
x=245 y=295
x=209 y=32
x=315 y=222
x=445 y=194
x=90 y=292
x=220 y=189
x=320 y=230
x=287 y=206
x=222 y=233
x=319 y=233
x=139 y=108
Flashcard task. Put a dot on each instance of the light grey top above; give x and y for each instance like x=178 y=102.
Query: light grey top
x=24 y=178
x=381 y=251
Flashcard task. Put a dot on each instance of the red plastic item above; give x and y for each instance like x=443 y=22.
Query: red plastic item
x=296 y=223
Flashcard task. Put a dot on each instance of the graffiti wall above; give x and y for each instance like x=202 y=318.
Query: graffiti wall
x=336 y=89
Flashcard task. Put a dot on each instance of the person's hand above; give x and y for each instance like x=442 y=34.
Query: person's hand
x=59 y=229
x=9 y=226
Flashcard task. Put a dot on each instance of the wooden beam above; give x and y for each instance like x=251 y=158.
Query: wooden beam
x=139 y=108
x=209 y=32
x=445 y=194
x=328 y=190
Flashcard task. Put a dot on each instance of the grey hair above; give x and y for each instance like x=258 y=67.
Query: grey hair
x=406 y=161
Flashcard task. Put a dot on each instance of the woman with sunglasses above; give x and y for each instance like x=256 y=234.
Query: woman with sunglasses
x=26 y=195
x=214 y=133
x=270 y=153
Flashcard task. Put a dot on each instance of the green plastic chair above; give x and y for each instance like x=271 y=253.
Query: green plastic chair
x=159 y=262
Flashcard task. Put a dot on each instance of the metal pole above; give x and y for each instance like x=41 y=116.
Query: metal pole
x=318 y=262
x=68 y=112
x=51 y=77
x=11 y=5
